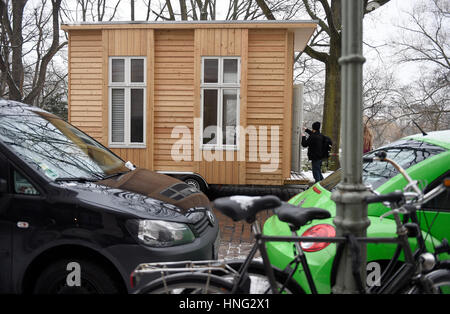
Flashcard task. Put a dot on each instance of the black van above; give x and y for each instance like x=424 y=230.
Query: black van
x=75 y=218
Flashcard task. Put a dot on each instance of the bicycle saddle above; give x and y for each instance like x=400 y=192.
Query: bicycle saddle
x=299 y=216
x=240 y=207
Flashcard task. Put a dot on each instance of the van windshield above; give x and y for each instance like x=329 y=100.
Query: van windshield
x=406 y=153
x=57 y=149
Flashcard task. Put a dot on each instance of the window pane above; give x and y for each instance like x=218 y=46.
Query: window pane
x=210 y=116
x=118 y=70
x=406 y=153
x=211 y=71
x=229 y=116
x=230 y=71
x=118 y=115
x=23 y=186
x=55 y=149
x=137 y=70
x=137 y=115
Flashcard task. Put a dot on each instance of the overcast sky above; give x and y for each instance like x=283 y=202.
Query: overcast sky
x=380 y=27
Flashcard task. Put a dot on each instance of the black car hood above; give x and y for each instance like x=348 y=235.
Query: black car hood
x=160 y=187
x=144 y=194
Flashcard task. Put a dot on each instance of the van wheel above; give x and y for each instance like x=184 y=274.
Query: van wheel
x=87 y=278
x=197 y=183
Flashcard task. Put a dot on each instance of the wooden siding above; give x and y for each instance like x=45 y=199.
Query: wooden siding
x=127 y=42
x=267 y=101
x=86 y=79
x=218 y=43
x=173 y=94
x=89 y=52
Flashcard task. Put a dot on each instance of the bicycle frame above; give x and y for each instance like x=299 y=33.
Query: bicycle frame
x=394 y=284
x=262 y=239
x=239 y=283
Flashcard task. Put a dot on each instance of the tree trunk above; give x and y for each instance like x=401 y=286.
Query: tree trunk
x=53 y=49
x=15 y=93
x=331 y=123
x=204 y=11
x=132 y=9
x=170 y=9
x=183 y=10
x=265 y=9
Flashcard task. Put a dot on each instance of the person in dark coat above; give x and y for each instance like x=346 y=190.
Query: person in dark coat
x=314 y=143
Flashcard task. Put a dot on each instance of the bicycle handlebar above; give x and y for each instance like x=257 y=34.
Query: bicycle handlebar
x=382 y=156
x=393 y=197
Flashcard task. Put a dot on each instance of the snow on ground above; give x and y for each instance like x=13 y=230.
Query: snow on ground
x=309 y=175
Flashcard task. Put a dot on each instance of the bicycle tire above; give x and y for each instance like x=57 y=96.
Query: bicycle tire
x=436 y=282
x=187 y=283
x=259 y=282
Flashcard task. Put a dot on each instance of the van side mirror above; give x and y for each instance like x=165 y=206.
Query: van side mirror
x=3 y=186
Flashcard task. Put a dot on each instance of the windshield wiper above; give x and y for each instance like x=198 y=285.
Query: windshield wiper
x=115 y=175
x=80 y=179
x=371 y=173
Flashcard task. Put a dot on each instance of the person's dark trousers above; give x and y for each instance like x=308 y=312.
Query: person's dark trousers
x=317 y=170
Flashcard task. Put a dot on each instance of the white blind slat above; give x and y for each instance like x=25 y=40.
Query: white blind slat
x=118 y=114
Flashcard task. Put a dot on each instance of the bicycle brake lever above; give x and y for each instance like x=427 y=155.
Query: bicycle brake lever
x=391 y=212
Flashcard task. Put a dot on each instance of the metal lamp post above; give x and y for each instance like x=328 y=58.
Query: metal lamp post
x=351 y=212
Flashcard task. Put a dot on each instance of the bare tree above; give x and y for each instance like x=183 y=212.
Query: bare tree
x=192 y=10
x=90 y=10
x=17 y=35
x=243 y=10
x=424 y=40
x=424 y=37
x=84 y=5
x=325 y=47
x=183 y=10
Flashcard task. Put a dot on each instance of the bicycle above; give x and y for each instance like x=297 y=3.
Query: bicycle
x=421 y=271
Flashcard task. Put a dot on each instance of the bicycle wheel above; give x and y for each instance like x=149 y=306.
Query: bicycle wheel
x=436 y=282
x=259 y=282
x=187 y=283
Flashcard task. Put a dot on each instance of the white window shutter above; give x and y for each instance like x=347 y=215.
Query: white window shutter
x=118 y=115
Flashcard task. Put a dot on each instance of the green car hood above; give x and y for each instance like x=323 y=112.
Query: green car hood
x=427 y=170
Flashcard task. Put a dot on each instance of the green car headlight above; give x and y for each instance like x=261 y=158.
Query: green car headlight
x=159 y=233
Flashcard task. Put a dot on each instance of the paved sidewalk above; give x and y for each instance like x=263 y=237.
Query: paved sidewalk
x=236 y=237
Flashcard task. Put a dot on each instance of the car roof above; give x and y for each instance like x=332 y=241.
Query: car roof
x=439 y=138
x=15 y=108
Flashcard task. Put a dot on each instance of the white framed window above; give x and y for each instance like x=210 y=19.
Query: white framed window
x=127 y=102
x=220 y=95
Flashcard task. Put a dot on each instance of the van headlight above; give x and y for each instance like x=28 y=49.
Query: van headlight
x=159 y=233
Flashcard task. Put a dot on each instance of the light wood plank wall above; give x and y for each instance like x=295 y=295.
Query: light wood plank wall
x=85 y=77
x=219 y=43
x=269 y=77
x=129 y=42
x=174 y=96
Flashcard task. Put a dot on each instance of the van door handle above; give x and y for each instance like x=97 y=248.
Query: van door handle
x=23 y=225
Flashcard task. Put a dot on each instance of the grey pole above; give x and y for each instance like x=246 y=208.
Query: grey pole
x=351 y=212
x=297 y=123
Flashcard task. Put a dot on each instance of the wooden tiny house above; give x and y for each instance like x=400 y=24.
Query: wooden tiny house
x=207 y=98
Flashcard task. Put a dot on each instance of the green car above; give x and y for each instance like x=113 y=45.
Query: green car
x=426 y=158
